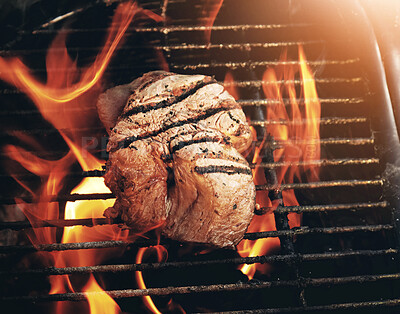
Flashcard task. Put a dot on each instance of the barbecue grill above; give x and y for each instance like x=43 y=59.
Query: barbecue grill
x=343 y=258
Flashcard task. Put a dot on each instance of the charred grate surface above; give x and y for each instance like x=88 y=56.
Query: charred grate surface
x=344 y=257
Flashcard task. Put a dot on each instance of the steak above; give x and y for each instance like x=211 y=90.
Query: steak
x=174 y=158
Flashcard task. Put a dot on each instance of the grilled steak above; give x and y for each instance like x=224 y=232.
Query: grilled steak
x=174 y=158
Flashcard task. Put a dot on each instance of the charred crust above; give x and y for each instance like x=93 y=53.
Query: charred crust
x=184 y=93
x=233 y=118
x=154 y=77
x=206 y=114
x=206 y=139
x=222 y=169
x=240 y=130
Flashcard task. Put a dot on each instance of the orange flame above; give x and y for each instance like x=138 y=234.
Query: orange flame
x=229 y=86
x=209 y=12
x=161 y=253
x=297 y=129
x=67 y=88
x=99 y=302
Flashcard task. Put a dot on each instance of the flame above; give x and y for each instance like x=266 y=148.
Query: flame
x=161 y=253
x=99 y=302
x=247 y=248
x=229 y=86
x=209 y=12
x=67 y=93
x=297 y=129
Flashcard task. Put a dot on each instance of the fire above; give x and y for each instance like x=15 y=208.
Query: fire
x=296 y=128
x=100 y=302
x=229 y=87
x=69 y=87
x=161 y=253
x=209 y=12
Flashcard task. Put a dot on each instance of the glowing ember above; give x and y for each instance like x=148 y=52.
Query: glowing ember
x=296 y=128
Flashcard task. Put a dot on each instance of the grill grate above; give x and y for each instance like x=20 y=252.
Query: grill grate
x=347 y=241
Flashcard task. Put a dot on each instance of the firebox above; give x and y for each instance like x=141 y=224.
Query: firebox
x=317 y=82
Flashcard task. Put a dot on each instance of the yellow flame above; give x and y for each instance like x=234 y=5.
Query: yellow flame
x=291 y=134
x=140 y=281
x=99 y=301
x=69 y=87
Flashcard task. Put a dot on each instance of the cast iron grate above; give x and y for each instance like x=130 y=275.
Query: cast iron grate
x=343 y=258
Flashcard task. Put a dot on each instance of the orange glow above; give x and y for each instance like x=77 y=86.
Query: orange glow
x=209 y=13
x=99 y=302
x=62 y=100
x=247 y=248
x=68 y=88
x=229 y=87
x=295 y=125
x=56 y=90
x=161 y=253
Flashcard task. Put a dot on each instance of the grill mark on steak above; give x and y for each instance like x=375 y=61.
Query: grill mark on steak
x=171 y=100
x=153 y=80
x=206 y=139
x=233 y=118
x=208 y=113
x=222 y=169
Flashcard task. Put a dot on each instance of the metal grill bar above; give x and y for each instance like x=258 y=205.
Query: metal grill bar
x=128 y=293
x=322 y=184
x=152 y=242
x=286 y=101
x=305 y=230
x=321 y=208
x=322 y=162
x=228 y=46
x=253 y=64
x=249 y=83
x=249 y=102
x=104 y=196
x=260 y=83
x=241 y=46
x=61 y=223
x=277 y=144
x=52 y=271
x=323 y=121
x=64 y=198
x=318 y=163
x=73 y=174
x=319 y=308
x=177 y=28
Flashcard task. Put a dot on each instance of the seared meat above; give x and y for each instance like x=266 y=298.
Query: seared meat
x=175 y=158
